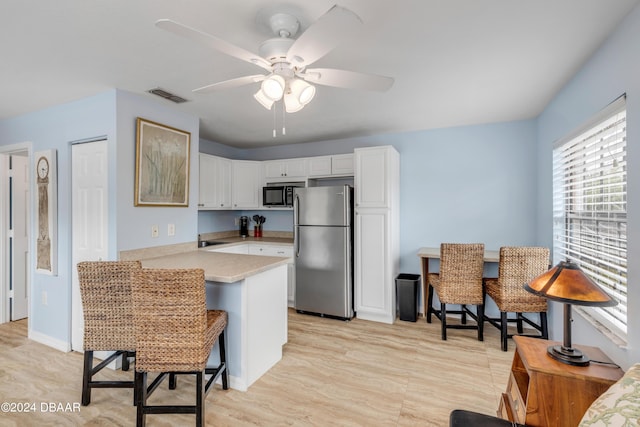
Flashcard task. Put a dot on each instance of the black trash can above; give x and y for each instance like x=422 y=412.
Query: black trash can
x=407 y=294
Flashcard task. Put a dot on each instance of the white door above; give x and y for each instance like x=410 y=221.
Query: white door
x=19 y=250
x=89 y=214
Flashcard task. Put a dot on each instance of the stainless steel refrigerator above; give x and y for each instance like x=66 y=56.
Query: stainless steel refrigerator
x=323 y=219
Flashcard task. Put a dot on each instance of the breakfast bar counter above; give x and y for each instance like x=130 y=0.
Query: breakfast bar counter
x=253 y=291
x=217 y=266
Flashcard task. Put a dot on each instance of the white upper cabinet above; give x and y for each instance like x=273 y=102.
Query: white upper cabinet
x=246 y=188
x=372 y=180
x=320 y=166
x=289 y=168
x=214 y=183
x=342 y=164
x=326 y=166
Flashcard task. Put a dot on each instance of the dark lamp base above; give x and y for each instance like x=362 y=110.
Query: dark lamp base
x=570 y=356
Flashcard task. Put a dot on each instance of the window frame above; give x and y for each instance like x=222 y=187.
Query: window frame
x=585 y=171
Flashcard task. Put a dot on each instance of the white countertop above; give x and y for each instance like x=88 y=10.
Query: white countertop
x=218 y=266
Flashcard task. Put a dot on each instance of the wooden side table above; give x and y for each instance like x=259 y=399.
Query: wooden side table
x=544 y=392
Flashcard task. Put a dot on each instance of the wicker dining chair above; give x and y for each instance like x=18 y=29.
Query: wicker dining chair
x=105 y=290
x=175 y=334
x=459 y=282
x=518 y=265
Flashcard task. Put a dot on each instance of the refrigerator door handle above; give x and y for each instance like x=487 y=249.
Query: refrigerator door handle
x=297 y=238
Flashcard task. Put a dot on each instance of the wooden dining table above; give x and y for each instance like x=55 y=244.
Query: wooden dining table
x=427 y=253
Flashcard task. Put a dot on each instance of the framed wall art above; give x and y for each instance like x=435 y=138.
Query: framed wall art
x=162 y=165
x=46 y=211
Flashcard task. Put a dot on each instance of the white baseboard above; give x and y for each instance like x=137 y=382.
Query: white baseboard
x=49 y=341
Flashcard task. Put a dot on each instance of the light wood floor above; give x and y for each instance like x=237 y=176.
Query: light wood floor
x=332 y=372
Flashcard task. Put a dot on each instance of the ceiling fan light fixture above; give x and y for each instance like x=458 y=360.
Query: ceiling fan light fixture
x=302 y=91
x=263 y=99
x=291 y=103
x=273 y=87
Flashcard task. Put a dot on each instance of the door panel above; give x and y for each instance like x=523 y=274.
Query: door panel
x=20 y=240
x=323 y=274
x=89 y=212
x=322 y=205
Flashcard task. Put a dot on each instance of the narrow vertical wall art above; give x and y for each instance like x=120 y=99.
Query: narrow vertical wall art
x=47 y=210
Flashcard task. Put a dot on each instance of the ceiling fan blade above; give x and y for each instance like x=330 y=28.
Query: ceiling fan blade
x=230 y=84
x=347 y=79
x=335 y=26
x=212 y=42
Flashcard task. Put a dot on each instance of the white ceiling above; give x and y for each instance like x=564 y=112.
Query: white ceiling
x=456 y=62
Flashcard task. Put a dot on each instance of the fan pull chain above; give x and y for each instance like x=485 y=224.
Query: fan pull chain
x=274 y=122
x=284 y=130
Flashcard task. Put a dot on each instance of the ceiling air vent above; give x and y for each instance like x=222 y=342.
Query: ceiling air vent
x=167 y=95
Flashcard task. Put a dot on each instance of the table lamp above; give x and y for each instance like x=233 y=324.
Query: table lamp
x=568 y=284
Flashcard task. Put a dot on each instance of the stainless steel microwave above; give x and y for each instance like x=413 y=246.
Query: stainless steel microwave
x=278 y=195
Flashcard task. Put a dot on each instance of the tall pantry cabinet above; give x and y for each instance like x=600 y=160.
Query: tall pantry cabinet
x=377 y=232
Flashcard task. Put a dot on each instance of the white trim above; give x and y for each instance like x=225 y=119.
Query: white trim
x=617 y=105
x=49 y=341
x=6 y=150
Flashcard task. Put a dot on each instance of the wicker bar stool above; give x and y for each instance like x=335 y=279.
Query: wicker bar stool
x=174 y=335
x=459 y=282
x=518 y=265
x=105 y=290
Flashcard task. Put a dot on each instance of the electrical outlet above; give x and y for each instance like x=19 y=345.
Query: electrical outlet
x=155 y=232
x=171 y=230
x=44 y=298
x=236 y=221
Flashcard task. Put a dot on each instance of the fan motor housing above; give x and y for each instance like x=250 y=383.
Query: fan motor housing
x=275 y=49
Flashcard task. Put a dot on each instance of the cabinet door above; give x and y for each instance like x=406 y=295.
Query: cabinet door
x=292 y=168
x=296 y=168
x=223 y=183
x=371 y=178
x=320 y=166
x=342 y=164
x=245 y=184
x=207 y=181
x=273 y=169
x=374 y=288
x=271 y=250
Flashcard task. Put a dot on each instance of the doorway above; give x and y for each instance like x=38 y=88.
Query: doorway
x=15 y=219
x=89 y=219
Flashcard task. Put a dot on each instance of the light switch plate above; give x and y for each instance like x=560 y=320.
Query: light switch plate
x=155 y=232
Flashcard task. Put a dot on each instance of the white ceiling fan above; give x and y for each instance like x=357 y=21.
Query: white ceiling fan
x=286 y=59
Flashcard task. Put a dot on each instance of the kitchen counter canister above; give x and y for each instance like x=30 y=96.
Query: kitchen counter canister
x=252 y=289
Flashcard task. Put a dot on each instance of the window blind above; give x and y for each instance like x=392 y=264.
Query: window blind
x=590 y=206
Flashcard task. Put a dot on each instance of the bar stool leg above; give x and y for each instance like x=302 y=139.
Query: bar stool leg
x=503 y=329
x=141 y=393
x=480 y=315
x=429 y=303
x=443 y=320
x=223 y=359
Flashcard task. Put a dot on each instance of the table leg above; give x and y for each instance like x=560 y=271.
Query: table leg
x=425 y=272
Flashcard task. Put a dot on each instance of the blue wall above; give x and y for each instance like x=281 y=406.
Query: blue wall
x=113 y=115
x=56 y=128
x=464 y=184
x=613 y=70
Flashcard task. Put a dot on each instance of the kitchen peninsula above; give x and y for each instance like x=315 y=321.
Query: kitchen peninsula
x=253 y=290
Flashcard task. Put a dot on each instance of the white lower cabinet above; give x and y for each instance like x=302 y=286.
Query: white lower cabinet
x=375 y=295
x=268 y=250
x=283 y=251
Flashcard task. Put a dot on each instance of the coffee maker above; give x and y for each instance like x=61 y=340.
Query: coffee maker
x=244 y=226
